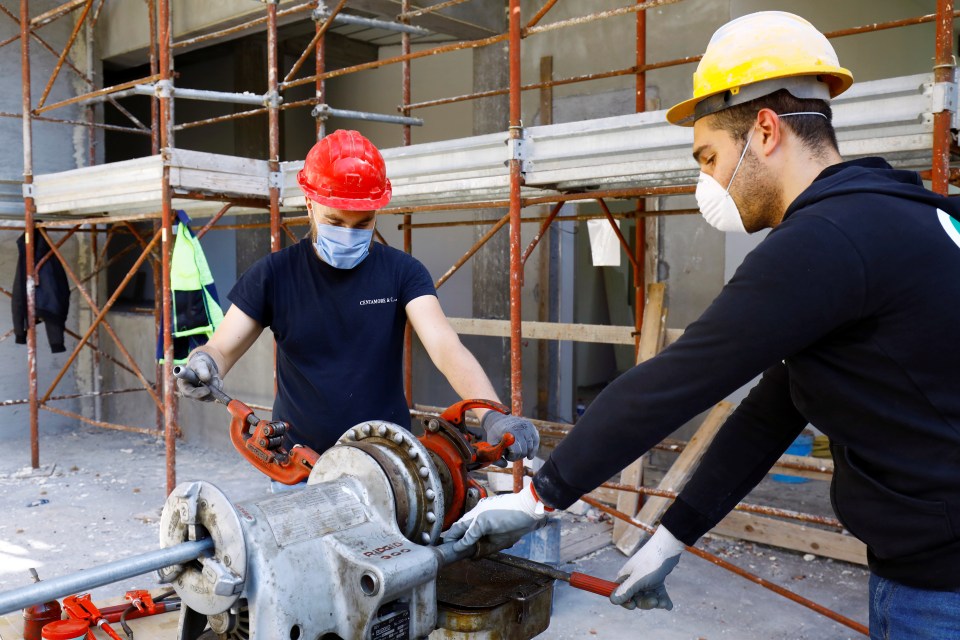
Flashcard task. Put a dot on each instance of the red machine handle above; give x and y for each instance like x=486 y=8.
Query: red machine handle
x=592 y=584
x=288 y=467
x=454 y=414
x=489 y=453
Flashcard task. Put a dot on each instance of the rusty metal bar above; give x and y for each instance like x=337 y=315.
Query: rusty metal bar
x=213 y=220
x=98 y=423
x=57 y=12
x=100 y=319
x=154 y=71
x=516 y=269
x=322 y=29
x=766 y=584
x=472 y=250
x=640 y=227
x=29 y=207
x=543 y=229
x=170 y=431
x=407 y=133
x=69 y=396
x=616 y=229
x=540 y=14
x=274 y=122
x=64 y=238
x=294 y=239
x=320 y=65
x=244 y=114
x=600 y=15
x=880 y=26
x=63 y=54
x=456 y=46
x=630 y=215
x=944 y=69
x=242 y=27
x=96 y=94
x=76 y=123
x=406 y=14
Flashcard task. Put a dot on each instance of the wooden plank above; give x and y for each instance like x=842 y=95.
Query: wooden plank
x=677 y=476
x=654 y=322
x=605 y=334
x=790 y=535
x=585 y=539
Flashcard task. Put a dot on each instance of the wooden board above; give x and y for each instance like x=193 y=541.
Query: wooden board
x=677 y=476
x=790 y=535
x=605 y=334
x=587 y=538
x=654 y=323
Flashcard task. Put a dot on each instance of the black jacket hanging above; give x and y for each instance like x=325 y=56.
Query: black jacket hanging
x=52 y=295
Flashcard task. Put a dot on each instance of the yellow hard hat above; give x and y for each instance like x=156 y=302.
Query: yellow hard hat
x=758 y=54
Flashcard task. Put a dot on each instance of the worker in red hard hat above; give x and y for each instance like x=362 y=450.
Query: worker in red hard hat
x=845 y=311
x=338 y=304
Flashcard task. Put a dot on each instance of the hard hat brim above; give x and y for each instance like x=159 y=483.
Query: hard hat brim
x=682 y=114
x=352 y=204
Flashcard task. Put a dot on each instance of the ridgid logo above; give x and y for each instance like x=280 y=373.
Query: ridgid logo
x=377 y=301
x=951 y=225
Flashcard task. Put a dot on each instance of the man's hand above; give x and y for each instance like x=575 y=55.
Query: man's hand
x=642 y=577
x=502 y=519
x=526 y=438
x=202 y=364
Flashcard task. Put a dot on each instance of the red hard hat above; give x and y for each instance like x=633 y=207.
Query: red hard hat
x=345 y=171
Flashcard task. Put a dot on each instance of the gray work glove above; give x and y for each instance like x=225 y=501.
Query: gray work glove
x=502 y=519
x=642 y=577
x=526 y=438
x=202 y=364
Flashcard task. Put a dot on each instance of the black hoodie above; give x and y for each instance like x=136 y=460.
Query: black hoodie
x=849 y=307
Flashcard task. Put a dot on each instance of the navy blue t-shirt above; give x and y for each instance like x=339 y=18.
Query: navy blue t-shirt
x=339 y=336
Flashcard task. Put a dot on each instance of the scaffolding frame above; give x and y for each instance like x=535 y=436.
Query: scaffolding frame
x=157 y=247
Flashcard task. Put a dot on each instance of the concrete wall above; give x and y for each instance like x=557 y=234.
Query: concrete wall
x=56 y=147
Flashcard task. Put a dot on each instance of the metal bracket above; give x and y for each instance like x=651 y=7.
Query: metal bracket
x=28 y=190
x=521 y=149
x=321 y=112
x=272 y=99
x=321 y=13
x=943 y=97
x=275 y=179
x=163 y=88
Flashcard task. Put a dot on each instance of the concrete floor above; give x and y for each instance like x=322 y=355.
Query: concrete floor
x=104 y=490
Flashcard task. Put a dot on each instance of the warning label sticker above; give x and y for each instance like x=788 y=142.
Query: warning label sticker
x=311 y=512
x=395 y=627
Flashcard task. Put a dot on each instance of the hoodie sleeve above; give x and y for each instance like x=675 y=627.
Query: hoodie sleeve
x=803 y=281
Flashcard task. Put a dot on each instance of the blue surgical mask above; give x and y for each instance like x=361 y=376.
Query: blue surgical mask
x=342 y=247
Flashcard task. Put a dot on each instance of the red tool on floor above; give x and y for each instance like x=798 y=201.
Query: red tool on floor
x=577 y=580
x=81 y=607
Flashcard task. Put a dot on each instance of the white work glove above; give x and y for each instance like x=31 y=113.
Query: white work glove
x=502 y=520
x=642 y=577
x=202 y=364
x=526 y=437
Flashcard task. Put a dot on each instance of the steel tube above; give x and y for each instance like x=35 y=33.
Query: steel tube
x=406 y=14
x=323 y=24
x=407 y=136
x=373 y=23
x=30 y=210
x=99 y=423
x=49 y=16
x=201 y=94
x=571 y=218
x=63 y=54
x=274 y=123
x=93 y=94
x=833 y=615
x=203 y=231
x=165 y=124
x=516 y=268
x=326 y=111
x=543 y=229
x=109 y=573
x=616 y=230
x=600 y=15
x=472 y=250
x=300 y=8
x=943 y=72
x=640 y=230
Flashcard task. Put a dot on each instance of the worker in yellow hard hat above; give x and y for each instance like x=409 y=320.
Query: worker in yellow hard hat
x=848 y=309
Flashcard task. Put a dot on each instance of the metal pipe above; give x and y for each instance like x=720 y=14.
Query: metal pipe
x=99 y=423
x=324 y=21
x=456 y=46
x=77 y=123
x=63 y=54
x=320 y=65
x=944 y=71
x=69 y=396
x=407 y=137
x=600 y=15
x=387 y=25
x=325 y=111
x=300 y=8
x=543 y=229
x=109 y=573
x=813 y=606
x=57 y=12
x=516 y=268
x=203 y=231
x=273 y=122
x=165 y=55
x=200 y=94
x=630 y=215
x=472 y=250
x=406 y=14
x=29 y=207
x=154 y=106
x=93 y=94
x=100 y=318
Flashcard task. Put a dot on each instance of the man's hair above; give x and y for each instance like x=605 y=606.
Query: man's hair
x=815 y=133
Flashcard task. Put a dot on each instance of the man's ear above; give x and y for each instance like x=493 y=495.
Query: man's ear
x=770 y=132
